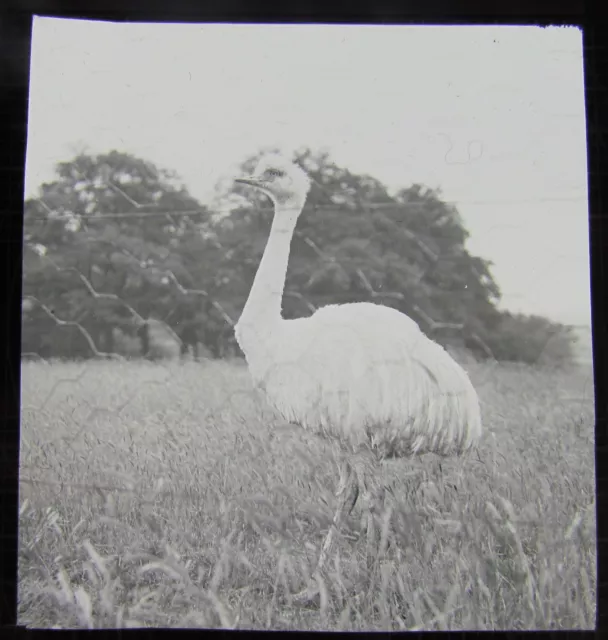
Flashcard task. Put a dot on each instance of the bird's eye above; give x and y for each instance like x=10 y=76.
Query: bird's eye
x=274 y=173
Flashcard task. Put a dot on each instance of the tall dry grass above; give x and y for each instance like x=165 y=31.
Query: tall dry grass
x=170 y=495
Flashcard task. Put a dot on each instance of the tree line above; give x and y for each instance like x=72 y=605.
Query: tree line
x=118 y=250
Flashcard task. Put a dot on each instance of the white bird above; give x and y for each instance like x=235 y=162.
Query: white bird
x=362 y=374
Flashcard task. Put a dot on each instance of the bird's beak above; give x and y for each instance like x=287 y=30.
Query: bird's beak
x=251 y=181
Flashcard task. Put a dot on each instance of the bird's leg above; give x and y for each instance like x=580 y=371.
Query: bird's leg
x=347 y=494
x=366 y=496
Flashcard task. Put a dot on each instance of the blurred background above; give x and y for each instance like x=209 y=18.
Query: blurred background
x=448 y=169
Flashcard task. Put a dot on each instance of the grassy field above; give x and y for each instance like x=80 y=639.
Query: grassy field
x=170 y=495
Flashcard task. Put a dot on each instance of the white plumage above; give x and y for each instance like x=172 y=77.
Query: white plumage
x=362 y=373
x=366 y=374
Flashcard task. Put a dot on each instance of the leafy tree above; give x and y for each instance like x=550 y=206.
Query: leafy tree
x=532 y=339
x=108 y=219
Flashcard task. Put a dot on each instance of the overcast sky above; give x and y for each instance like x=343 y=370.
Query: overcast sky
x=493 y=115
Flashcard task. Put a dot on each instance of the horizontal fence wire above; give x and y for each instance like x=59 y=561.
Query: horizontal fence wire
x=372 y=206
x=150 y=495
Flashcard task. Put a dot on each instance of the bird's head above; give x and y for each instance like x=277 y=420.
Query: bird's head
x=283 y=181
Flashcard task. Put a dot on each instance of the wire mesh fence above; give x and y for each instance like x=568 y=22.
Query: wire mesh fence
x=206 y=455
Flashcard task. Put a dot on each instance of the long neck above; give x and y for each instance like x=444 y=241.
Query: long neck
x=263 y=307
